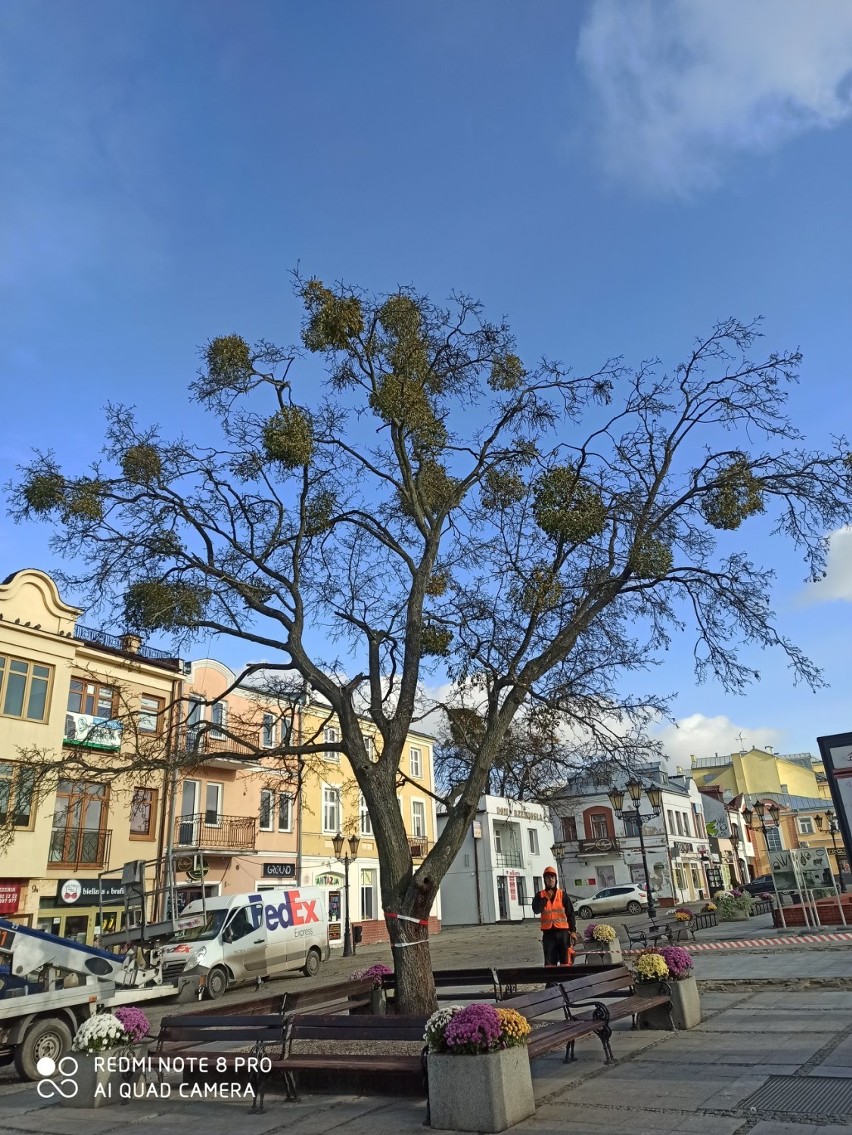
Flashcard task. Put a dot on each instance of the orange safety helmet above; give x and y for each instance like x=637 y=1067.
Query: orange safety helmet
x=551 y=871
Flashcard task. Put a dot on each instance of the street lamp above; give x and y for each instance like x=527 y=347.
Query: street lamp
x=655 y=795
x=734 y=837
x=833 y=829
x=764 y=809
x=353 y=842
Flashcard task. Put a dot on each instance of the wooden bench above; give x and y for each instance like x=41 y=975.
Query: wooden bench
x=341 y=997
x=647 y=933
x=510 y=978
x=337 y=1030
x=615 y=987
x=548 y=1035
x=472 y=984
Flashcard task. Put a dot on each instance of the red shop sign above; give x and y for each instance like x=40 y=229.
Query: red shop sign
x=10 y=894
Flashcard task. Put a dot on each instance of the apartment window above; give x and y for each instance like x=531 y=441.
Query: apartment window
x=331 y=737
x=194 y=718
x=538 y=884
x=17 y=783
x=498 y=841
x=532 y=836
x=330 y=808
x=418 y=818
x=370 y=746
x=267 y=802
x=687 y=830
x=213 y=804
x=78 y=837
x=598 y=826
x=285 y=812
x=267 y=732
x=24 y=687
x=671 y=825
x=773 y=839
x=368 y=894
x=218 y=719
x=143 y=813
x=150 y=714
x=806 y=825
x=569 y=831
x=415 y=762
x=90 y=698
x=366 y=822
x=698 y=821
x=631 y=827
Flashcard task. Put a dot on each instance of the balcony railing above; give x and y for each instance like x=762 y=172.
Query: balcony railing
x=121 y=646
x=208 y=830
x=508 y=859
x=208 y=741
x=418 y=846
x=76 y=848
x=603 y=845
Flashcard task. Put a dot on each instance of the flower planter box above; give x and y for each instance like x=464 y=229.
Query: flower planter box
x=97 y=1084
x=604 y=956
x=487 y=1092
x=686 y=1005
x=734 y=916
x=764 y=907
x=376 y=1008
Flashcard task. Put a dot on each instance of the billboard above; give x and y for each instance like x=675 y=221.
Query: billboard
x=836 y=753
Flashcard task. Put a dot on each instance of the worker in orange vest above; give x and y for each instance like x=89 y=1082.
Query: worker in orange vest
x=558 y=921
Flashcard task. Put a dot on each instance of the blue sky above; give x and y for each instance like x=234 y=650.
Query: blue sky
x=611 y=177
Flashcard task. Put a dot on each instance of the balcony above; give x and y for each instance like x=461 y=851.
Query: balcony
x=508 y=859
x=207 y=831
x=217 y=744
x=76 y=848
x=418 y=845
x=126 y=645
x=603 y=845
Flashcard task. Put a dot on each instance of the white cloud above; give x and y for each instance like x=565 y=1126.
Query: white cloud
x=705 y=736
x=837 y=581
x=685 y=85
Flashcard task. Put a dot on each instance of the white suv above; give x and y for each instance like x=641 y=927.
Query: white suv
x=630 y=897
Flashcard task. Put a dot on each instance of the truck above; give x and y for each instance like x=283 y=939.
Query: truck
x=238 y=938
x=50 y=985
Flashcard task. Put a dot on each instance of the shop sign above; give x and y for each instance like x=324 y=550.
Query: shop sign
x=284 y=870
x=329 y=879
x=10 y=896
x=88 y=892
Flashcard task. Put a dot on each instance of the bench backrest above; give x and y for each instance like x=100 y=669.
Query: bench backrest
x=536 y=1004
x=304 y=1026
x=340 y=998
x=264 y=1006
x=211 y=1030
x=618 y=980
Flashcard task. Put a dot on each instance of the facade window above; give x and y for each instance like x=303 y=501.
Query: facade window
x=285 y=812
x=364 y=816
x=24 y=688
x=267 y=732
x=370 y=746
x=331 y=736
x=538 y=884
x=368 y=894
x=218 y=719
x=194 y=718
x=213 y=804
x=17 y=789
x=143 y=813
x=150 y=714
x=418 y=819
x=522 y=891
x=331 y=809
x=569 y=831
x=498 y=841
x=631 y=827
x=532 y=835
x=598 y=826
x=670 y=816
x=806 y=825
x=267 y=800
x=687 y=830
x=90 y=698
x=415 y=762
x=773 y=839
x=78 y=837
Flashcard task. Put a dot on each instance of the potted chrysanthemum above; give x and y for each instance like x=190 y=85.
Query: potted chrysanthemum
x=668 y=969
x=378 y=998
x=602 y=945
x=479 y=1068
x=109 y=1051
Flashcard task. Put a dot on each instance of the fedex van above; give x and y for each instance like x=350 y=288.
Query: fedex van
x=239 y=938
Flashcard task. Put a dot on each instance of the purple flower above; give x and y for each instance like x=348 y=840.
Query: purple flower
x=589 y=932
x=678 y=960
x=133 y=1021
x=374 y=973
x=475 y=1028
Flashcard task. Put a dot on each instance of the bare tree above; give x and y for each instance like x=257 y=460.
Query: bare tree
x=435 y=502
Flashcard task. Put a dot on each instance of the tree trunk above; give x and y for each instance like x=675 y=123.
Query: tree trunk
x=415 y=986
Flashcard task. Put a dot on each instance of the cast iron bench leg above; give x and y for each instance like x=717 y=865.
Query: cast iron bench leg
x=569 y=1052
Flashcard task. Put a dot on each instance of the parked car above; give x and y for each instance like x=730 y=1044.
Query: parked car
x=760 y=884
x=630 y=897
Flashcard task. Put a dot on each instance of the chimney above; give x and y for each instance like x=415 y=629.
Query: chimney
x=131 y=643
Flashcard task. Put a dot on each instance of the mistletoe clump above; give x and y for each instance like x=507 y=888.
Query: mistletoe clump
x=402 y=398
x=435 y=640
x=288 y=437
x=650 y=558
x=566 y=507
x=229 y=364
x=738 y=496
x=333 y=321
x=43 y=492
x=142 y=463
x=507 y=373
x=155 y=604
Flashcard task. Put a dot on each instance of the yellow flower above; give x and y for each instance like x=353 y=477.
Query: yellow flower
x=651 y=967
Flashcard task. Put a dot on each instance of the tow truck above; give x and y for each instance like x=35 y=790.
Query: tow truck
x=50 y=985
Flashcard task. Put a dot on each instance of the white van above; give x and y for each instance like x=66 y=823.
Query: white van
x=238 y=938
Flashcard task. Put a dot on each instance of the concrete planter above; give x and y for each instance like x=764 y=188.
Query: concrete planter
x=686 y=1005
x=488 y=1092
x=376 y=1008
x=98 y=1084
x=738 y=915
x=611 y=956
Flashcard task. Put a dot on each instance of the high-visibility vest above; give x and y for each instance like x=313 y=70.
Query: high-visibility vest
x=553 y=916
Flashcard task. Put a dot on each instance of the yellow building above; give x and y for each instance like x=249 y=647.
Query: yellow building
x=67 y=688
x=760 y=772
x=301 y=849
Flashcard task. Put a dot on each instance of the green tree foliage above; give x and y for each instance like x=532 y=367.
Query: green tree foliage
x=441 y=507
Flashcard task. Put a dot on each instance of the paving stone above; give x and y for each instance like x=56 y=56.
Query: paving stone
x=752 y=1021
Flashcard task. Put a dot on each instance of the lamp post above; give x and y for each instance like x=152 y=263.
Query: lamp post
x=832 y=831
x=734 y=837
x=353 y=842
x=774 y=813
x=655 y=796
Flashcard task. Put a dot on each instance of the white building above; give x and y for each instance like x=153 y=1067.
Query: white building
x=500 y=865
x=596 y=849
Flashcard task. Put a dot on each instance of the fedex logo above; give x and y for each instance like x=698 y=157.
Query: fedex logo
x=292 y=911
